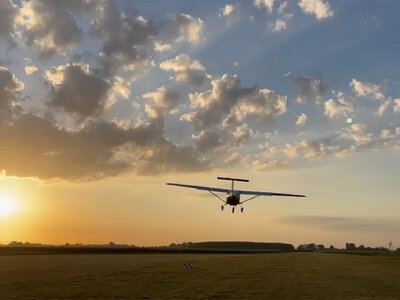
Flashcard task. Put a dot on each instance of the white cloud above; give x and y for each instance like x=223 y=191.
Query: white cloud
x=301 y=120
x=359 y=133
x=278 y=26
x=282 y=7
x=268 y=4
x=30 y=70
x=187 y=70
x=188 y=28
x=343 y=107
x=160 y=47
x=383 y=107
x=227 y=10
x=320 y=9
x=396 y=105
x=366 y=89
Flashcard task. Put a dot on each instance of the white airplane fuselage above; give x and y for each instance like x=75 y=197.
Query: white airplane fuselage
x=233 y=198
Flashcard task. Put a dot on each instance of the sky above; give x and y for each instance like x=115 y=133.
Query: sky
x=103 y=102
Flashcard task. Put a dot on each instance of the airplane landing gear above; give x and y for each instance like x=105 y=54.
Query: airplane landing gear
x=233 y=209
x=222 y=207
x=242 y=209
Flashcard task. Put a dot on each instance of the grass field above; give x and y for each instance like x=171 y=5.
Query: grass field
x=214 y=276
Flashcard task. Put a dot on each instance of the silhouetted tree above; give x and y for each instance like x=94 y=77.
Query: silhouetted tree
x=320 y=247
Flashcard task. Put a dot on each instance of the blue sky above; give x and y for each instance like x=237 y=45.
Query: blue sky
x=306 y=92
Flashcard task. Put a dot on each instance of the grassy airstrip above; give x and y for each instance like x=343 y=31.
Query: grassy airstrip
x=214 y=276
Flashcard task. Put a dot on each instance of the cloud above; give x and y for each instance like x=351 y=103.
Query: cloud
x=206 y=141
x=342 y=107
x=360 y=134
x=227 y=10
x=366 y=89
x=282 y=7
x=234 y=159
x=8 y=14
x=10 y=92
x=278 y=26
x=268 y=165
x=76 y=90
x=309 y=89
x=320 y=9
x=160 y=47
x=188 y=28
x=264 y=106
x=213 y=105
x=164 y=101
x=383 y=107
x=187 y=70
x=267 y=4
x=50 y=26
x=30 y=70
x=396 y=105
x=127 y=38
x=301 y=120
x=36 y=147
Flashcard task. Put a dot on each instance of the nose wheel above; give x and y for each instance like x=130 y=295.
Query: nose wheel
x=233 y=209
x=222 y=207
x=241 y=209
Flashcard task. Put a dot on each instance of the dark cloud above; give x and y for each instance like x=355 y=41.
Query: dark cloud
x=75 y=90
x=188 y=28
x=10 y=92
x=8 y=13
x=309 y=89
x=36 y=147
x=50 y=26
x=213 y=105
x=127 y=37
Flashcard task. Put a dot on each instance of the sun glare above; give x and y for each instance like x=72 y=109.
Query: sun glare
x=7 y=205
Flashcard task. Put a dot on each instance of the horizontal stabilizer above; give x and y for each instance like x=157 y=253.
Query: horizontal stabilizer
x=234 y=179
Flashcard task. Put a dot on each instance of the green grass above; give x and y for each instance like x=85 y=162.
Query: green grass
x=215 y=276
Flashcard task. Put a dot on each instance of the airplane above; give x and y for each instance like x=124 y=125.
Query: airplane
x=233 y=196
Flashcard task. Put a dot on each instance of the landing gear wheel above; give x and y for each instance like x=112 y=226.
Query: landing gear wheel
x=242 y=209
x=222 y=207
x=233 y=209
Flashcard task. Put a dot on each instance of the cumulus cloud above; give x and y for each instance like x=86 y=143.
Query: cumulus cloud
x=267 y=4
x=383 y=107
x=366 y=89
x=278 y=26
x=187 y=70
x=396 y=105
x=213 y=105
x=160 y=47
x=36 y=147
x=10 y=91
x=342 y=107
x=127 y=38
x=8 y=14
x=301 y=120
x=264 y=106
x=360 y=134
x=309 y=89
x=227 y=10
x=164 y=101
x=50 y=26
x=30 y=70
x=188 y=28
x=320 y=9
x=207 y=140
x=268 y=165
x=76 y=90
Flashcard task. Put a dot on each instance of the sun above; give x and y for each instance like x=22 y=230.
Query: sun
x=7 y=205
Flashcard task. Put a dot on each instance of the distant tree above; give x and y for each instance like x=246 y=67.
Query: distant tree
x=311 y=247
x=361 y=247
x=331 y=247
x=15 y=243
x=350 y=246
x=111 y=244
x=320 y=247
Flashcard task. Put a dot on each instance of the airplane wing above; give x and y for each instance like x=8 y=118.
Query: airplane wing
x=255 y=193
x=202 y=188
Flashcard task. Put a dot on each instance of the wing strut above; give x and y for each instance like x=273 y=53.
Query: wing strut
x=217 y=196
x=251 y=198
